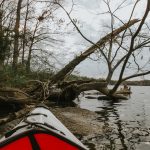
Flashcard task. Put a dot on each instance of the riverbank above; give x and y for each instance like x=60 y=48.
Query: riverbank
x=107 y=125
x=81 y=122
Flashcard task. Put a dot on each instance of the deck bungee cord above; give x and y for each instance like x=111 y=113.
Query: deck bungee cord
x=40 y=130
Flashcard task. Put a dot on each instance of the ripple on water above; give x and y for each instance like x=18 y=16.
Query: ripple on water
x=129 y=121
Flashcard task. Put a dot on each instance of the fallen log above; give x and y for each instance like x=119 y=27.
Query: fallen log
x=13 y=91
x=67 y=95
x=15 y=115
x=109 y=96
x=15 y=100
x=12 y=100
x=77 y=60
x=91 y=86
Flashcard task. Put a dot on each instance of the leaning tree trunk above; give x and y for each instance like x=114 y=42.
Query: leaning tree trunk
x=63 y=72
x=70 y=92
x=70 y=66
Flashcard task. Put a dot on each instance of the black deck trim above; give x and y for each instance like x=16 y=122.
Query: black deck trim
x=34 y=131
x=35 y=145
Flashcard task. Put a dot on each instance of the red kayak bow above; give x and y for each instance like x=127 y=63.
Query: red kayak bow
x=41 y=130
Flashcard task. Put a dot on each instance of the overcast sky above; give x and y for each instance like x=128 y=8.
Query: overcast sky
x=91 y=23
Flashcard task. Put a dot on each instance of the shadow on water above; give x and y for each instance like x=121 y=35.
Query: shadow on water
x=107 y=112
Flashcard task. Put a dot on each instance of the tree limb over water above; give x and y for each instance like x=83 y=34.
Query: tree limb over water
x=108 y=47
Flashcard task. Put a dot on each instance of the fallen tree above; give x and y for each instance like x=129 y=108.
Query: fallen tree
x=69 y=91
x=45 y=88
x=76 y=61
x=51 y=90
x=110 y=39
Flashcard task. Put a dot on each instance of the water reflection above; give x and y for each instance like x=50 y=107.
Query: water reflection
x=109 y=112
x=130 y=133
x=126 y=123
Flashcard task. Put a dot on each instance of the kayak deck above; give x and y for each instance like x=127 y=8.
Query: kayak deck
x=42 y=126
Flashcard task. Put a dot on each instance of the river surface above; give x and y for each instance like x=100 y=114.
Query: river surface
x=126 y=122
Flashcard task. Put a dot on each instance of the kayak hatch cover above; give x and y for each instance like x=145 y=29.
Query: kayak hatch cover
x=40 y=130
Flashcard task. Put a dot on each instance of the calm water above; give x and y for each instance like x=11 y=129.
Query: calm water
x=128 y=120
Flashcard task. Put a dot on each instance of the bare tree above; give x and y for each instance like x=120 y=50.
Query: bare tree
x=108 y=47
x=110 y=38
x=5 y=33
x=132 y=49
x=25 y=30
x=16 y=38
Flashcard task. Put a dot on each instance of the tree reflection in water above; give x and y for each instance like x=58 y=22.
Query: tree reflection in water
x=119 y=134
x=109 y=112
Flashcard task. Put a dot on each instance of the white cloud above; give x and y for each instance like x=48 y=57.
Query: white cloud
x=91 y=24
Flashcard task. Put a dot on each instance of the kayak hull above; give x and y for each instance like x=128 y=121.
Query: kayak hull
x=40 y=128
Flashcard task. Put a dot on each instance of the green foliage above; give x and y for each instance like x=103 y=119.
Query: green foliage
x=10 y=79
x=75 y=77
x=40 y=75
x=7 y=78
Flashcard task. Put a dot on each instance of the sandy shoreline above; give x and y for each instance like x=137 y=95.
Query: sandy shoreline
x=78 y=121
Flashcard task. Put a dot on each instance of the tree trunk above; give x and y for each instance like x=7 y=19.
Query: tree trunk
x=1 y=65
x=110 y=74
x=16 y=38
x=24 y=32
x=28 y=64
x=113 y=96
x=69 y=93
x=63 y=72
x=1 y=34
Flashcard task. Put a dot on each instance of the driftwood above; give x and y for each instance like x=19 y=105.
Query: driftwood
x=61 y=96
x=13 y=90
x=12 y=100
x=16 y=100
x=16 y=115
x=77 y=89
x=91 y=86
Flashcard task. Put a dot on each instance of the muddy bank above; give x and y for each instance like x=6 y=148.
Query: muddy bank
x=84 y=124
x=79 y=121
